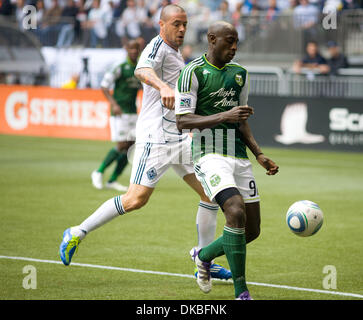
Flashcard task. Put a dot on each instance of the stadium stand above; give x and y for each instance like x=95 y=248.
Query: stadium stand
x=273 y=34
x=21 y=61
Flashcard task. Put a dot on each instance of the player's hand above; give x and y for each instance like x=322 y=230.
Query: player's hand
x=167 y=97
x=268 y=164
x=116 y=110
x=239 y=113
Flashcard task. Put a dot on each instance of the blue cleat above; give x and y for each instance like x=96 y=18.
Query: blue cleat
x=68 y=246
x=217 y=272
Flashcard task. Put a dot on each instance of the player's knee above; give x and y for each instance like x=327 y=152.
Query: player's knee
x=235 y=214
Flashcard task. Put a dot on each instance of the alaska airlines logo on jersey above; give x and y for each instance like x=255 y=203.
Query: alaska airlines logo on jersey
x=222 y=92
x=225 y=94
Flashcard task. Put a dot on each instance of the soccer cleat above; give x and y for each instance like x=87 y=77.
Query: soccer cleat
x=245 y=295
x=97 y=179
x=217 y=272
x=203 y=277
x=68 y=246
x=115 y=185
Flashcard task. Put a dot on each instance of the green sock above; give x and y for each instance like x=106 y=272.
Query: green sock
x=234 y=244
x=110 y=157
x=120 y=166
x=212 y=251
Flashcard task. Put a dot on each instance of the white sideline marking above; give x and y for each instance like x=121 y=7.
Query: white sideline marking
x=354 y=295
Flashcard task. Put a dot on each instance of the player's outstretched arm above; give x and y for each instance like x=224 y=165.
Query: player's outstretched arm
x=149 y=77
x=194 y=121
x=252 y=144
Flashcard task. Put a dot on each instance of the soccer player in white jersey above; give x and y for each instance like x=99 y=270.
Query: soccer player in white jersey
x=159 y=145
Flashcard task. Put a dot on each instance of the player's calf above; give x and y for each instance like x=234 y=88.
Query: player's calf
x=136 y=197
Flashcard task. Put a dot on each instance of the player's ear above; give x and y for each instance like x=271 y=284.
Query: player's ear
x=161 y=23
x=211 y=38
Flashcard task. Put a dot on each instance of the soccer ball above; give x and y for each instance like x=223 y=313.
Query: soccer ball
x=304 y=218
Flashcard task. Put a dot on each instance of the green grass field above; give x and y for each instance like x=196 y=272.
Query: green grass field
x=45 y=187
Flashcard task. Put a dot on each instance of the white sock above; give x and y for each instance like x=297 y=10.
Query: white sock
x=109 y=210
x=206 y=223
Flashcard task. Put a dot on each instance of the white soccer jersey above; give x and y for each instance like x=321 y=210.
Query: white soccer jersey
x=157 y=124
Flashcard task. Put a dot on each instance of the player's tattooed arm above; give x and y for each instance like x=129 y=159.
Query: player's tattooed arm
x=252 y=144
x=149 y=77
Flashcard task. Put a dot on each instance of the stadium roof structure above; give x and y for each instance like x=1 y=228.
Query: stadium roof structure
x=19 y=50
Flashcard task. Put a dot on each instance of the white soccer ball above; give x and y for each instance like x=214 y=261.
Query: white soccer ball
x=304 y=218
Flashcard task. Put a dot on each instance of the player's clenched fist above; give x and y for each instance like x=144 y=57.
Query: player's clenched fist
x=167 y=97
x=239 y=113
x=271 y=167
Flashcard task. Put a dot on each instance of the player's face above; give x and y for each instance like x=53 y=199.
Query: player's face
x=226 y=46
x=174 y=29
x=133 y=52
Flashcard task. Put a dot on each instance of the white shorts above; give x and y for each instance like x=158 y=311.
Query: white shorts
x=152 y=160
x=123 y=127
x=216 y=173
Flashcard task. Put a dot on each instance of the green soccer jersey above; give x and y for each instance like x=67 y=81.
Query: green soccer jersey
x=121 y=76
x=205 y=90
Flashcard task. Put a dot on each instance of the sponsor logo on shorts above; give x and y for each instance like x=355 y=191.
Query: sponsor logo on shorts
x=151 y=174
x=215 y=180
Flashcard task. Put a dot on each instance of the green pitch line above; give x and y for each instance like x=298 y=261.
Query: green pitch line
x=86 y=265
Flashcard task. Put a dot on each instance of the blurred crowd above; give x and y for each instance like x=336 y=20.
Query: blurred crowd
x=101 y=23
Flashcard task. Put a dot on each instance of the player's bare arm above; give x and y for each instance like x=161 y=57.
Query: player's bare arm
x=194 y=121
x=252 y=144
x=149 y=77
x=116 y=109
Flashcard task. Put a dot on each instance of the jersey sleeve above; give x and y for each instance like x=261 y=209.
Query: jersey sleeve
x=186 y=96
x=243 y=98
x=110 y=76
x=152 y=56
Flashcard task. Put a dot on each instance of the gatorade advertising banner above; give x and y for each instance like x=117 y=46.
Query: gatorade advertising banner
x=44 y=111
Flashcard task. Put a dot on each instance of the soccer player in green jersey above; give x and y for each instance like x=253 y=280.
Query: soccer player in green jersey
x=123 y=115
x=211 y=96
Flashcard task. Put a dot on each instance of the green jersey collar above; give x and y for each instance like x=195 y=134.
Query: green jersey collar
x=212 y=65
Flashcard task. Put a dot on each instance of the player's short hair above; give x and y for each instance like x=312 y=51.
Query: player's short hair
x=169 y=9
x=132 y=43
